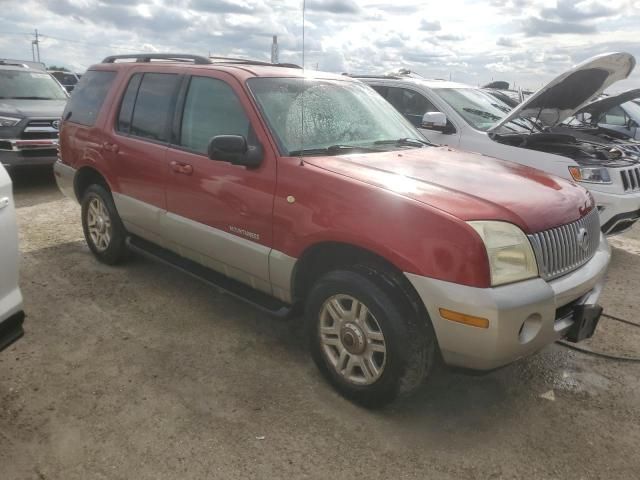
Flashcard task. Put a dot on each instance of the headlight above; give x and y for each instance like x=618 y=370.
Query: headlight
x=9 y=121
x=511 y=257
x=590 y=174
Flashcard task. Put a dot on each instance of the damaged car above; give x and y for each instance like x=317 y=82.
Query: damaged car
x=613 y=115
x=466 y=117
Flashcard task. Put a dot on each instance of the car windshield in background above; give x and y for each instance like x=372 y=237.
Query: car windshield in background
x=65 y=78
x=315 y=116
x=481 y=110
x=30 y=86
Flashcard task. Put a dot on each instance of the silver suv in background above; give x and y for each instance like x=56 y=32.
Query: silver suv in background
x=31 y=104
x=67 y=79
x=467 y=117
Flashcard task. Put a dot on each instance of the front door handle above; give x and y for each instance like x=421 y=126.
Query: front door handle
x=4 y=202
x=183 y=168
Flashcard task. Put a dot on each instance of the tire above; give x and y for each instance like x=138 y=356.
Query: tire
x=103 y=229
x=389 y=339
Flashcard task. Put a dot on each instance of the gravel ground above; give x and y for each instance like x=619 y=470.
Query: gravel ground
x=141 y=372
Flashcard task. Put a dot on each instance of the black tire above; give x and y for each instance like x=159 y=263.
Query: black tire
x=116 y=249
x=409 y=338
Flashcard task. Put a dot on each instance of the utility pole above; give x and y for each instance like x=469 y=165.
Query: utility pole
x=35 y=52
x=274 y=50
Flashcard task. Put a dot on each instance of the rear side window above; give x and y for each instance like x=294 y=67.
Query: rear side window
x=128 y=101
x=88 y=96
x=153 y=106
x=211 y=108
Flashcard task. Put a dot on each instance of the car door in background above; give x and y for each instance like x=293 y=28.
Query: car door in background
x=413 y=105
x=219 y=214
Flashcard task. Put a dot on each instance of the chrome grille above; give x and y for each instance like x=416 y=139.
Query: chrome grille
x=41 y=128
x=630 y=179
x=560 y=250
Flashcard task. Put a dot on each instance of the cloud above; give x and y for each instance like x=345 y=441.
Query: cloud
x=506 y=42
x=448 y=37
x=572 y=11
x=538 y=27
x=333 y=6
x=430 y=25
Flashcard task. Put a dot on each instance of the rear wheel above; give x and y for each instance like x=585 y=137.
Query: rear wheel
x=103 y=229
x=366 y=338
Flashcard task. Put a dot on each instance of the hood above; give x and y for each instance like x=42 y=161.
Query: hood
x=468 y=186
x=32 y=108
x=567 y=93
x=597 y=108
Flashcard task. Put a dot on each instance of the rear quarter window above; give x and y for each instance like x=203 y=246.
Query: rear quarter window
x=88 y=96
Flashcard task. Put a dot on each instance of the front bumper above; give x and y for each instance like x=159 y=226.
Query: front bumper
x=523 y=317
x=617 y=212
x=17 y=152
x=11 y=329
x=11 y=317
x=65 y=178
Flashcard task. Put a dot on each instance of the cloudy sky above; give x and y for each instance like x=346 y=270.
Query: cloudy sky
x=526 y=42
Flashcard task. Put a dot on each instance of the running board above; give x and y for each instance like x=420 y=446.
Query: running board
x=237 y=289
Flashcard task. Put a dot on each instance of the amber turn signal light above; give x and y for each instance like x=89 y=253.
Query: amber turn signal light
x=464 y=318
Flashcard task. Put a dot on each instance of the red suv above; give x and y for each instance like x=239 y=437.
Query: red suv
x=294 y=189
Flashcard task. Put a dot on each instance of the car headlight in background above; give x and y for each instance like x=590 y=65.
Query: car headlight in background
x=9 y=121
x=590 y=174
x=511 y=258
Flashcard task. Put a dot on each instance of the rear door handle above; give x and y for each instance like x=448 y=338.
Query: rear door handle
x=183 y=168
x=4 y=202
x=110 y=147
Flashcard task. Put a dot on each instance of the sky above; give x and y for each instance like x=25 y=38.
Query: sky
x=525 y=42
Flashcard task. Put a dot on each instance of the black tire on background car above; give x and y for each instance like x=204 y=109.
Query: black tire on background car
x=102 y=226
x=366 y=337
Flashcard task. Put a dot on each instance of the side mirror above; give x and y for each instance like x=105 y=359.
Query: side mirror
x=434 y=120
x=234 y=149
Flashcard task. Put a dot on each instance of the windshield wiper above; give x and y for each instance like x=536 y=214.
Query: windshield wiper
x=482 y=113
x=401 y=142
x=331 y=150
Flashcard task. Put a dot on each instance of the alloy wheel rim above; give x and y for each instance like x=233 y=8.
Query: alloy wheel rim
x=99 y=224
x=352 y=340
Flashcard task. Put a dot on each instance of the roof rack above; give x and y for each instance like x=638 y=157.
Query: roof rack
x=382 y=75
x=22 y=63
x=196 y=59
x=147 y=57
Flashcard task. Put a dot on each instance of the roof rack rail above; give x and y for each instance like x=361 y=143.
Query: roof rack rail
x=147 y=57
x=22 y=63
x=249 y=61
x=382 y=75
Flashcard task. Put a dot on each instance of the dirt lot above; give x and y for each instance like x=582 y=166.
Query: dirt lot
x=141 y=372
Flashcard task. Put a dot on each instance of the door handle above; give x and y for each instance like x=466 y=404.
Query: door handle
x=4 y=202
x=183 y=168
x=110 y=147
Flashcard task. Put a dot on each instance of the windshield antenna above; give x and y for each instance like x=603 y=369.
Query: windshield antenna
x=304 y=2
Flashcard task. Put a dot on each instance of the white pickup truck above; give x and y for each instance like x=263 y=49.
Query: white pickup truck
x=468 y=118
x=11 y=312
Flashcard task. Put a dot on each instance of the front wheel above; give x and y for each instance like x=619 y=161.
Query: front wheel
x=366 y=338
x=103 y=229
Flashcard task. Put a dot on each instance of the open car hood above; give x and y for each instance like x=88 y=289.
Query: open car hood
x=570 y=91
x=597 y=108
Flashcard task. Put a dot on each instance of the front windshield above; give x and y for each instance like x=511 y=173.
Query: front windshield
x=481 y=110
x=633 y=110
x=30 y=86
x=306 y=114
x=65 y=78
